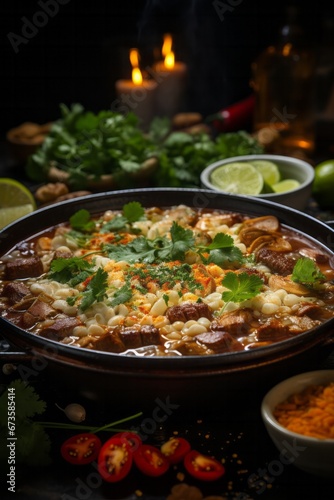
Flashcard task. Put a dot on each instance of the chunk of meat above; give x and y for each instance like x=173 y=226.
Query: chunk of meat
x=15 y=291
x=277 y=262
x=300 y=324
x=38 y=311
x=237 y=323
x=309 y=309
x=24 y=267
x=149 y=335
x=120 y=339
x=188 y=311
x=60 y=328
x=219 y=341
x=109 y=342
x=273 y=330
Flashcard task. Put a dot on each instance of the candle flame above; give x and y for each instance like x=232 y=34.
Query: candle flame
x=167 y=45
x=168 y=54
x=169 y=60
x=137 y=76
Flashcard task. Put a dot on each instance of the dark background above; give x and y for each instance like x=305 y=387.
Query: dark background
x=78 y=52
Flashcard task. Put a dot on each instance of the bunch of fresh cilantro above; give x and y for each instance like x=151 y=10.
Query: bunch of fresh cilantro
x=84 y=144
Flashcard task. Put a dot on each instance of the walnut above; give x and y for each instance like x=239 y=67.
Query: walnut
x=51 y=191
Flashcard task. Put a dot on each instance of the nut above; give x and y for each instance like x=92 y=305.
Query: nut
x=51 y=191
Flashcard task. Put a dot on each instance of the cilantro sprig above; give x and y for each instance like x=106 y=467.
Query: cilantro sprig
x=73 y=270
x=96 y=291
x=220 y=251
x=131 y=212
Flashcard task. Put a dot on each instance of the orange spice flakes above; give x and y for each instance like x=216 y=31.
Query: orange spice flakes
x=310 y=412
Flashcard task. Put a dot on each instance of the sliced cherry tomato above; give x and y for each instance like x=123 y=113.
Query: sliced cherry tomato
x=150 y=460
x=203 y=467
x=132 y=438
x=115 y=459
x=175 y=449
x=81 y=449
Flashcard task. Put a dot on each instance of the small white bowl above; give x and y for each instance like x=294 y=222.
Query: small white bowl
x=289 y=167
x=312 y=455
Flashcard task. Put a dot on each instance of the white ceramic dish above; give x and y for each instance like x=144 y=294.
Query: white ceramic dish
x=312 y=455
x=290 y=168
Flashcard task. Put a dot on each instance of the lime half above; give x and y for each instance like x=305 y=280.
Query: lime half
x=237 y=178
x=269 y=171
x=13 y=193
x=10 y=214
x=15 y=201
x=285 y=185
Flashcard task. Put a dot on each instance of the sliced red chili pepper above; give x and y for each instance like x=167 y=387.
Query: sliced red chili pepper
x=81 y=449
x=150 y=460
x=203 y=467
x=115 y=459
x=175 y=449
x=132 y=438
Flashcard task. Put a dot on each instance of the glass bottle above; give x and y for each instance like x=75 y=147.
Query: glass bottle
x=283 y=82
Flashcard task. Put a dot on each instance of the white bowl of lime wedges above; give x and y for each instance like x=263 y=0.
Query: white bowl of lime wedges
x=282 y=179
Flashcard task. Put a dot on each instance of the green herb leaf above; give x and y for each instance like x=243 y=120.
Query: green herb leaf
x=81 y=221
x=121 y=296
x=133 y=211
x=27 y=401
x=95 y=290
x=242 y=286
x=70 y=270
x=307 y=272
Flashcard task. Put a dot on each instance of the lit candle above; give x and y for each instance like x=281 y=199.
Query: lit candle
x=136 y=95
x=172 y=81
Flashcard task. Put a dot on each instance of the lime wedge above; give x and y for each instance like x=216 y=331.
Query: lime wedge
x=13 y=193
x=285 y=185
x=269 y=171
x=10 y=214
x=238 y=178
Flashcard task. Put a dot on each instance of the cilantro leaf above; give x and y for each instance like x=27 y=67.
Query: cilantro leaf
x=221 y=240
x=33 y=444
x=242 y=286
x=182 y=241
x=95 y=290
x=81 y=221
x=307 y=272
x=121 y=296
x=27 y=401
x=222 y=256
x=133 y=211
x=69 y=270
